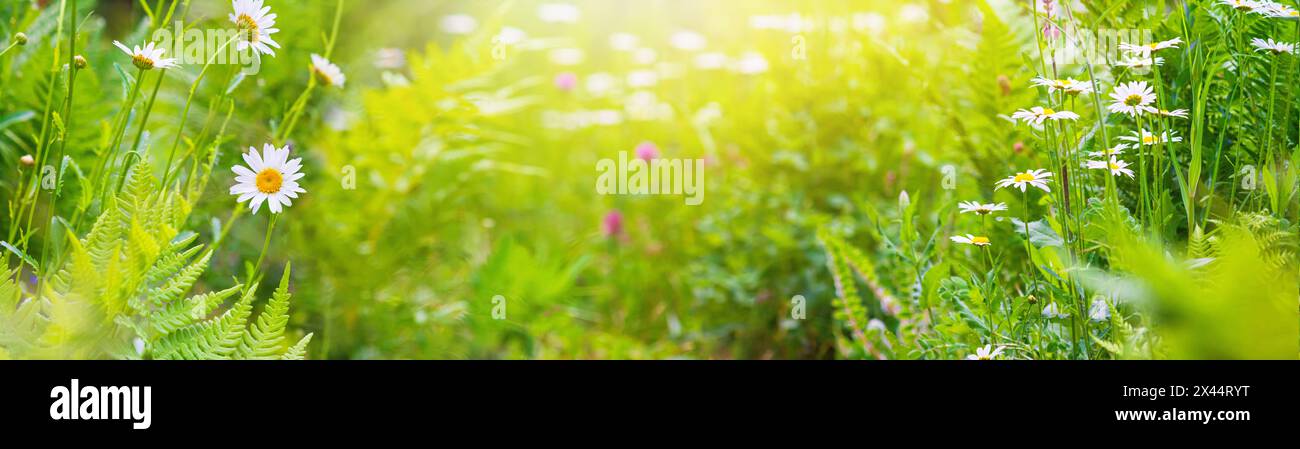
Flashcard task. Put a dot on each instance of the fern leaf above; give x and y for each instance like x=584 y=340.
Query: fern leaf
x=179 y=314
x=20 y=321
x=177 y=286
x=216 y=339
x=264 y=340
x=299 y=350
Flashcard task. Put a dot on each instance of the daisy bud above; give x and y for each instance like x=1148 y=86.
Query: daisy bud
x=1032 y=299
x=79 y=62
x=1019 y=147
x=20 y=38
x=1004 y=83
x=27 y=160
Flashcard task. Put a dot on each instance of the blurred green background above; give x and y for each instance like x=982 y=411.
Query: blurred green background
x=471 y=130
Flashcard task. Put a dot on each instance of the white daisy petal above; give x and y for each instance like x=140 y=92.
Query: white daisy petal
x=257 y=202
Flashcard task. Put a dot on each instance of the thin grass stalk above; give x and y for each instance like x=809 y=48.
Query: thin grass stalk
x=185 y=112
x=28 y=197
x=139 y=133
x=63 y=145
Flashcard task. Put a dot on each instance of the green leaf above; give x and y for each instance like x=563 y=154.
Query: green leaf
x=930 y=284
x=21 y=255
x=1041 y=234
x=15 y=118
x=1270 y=186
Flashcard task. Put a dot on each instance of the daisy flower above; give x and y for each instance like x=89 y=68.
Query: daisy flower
x=972 y=240
x=270 y=177
x=1133 y=98
x=1037 y=115
x=329 y=73
x=256 y=26
x=1141 y=63
x=1069 y=85
x=1241 y=5
x=988 y=352
x=1116 y=167
x=1147 y=138
x=147 y=57
x=1053 y=311
x=1280 y=11
x=980 y=209
x=1146 y=50
x=1269 y=45
x=1179 y=113
x=1110 y=152
x=1035 y=178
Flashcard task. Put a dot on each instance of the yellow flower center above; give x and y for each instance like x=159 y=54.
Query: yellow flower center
x=1048 y=112
x=1154 y=46
x=323 y=76
x=1133 y=100
x=979 y=240
x=246 y=23
x=1114 y=166
x=1149 y=139
x=142 y=62
x=1024 y=177
x=269 y=181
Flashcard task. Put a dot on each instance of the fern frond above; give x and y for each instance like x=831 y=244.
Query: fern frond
x=299 y=350
x=215 y=339
x=849 y=306
x=171 y=262
x=127 y=279
x=264 y=340
x=179 y=314
x=20 y=321
x=176 y=287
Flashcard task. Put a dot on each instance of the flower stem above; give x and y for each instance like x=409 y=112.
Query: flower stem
x=27 y=206
x=10 y=47
x=63 y=145
x=270 y=226
x=185 y=112
x=1272 y=102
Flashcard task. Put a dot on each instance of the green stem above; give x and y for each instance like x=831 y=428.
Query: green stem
x=185 y=112
x=1272 y=101
x=139 y=133
x=1142 y=171
x=119 y=132
x=63 y=145
x=30 y=190
x=10 y=47
x=270 y=227
x=295 y=112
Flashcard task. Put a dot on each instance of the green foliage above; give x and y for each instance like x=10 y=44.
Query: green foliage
x=122 y=293
x=450 y=213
